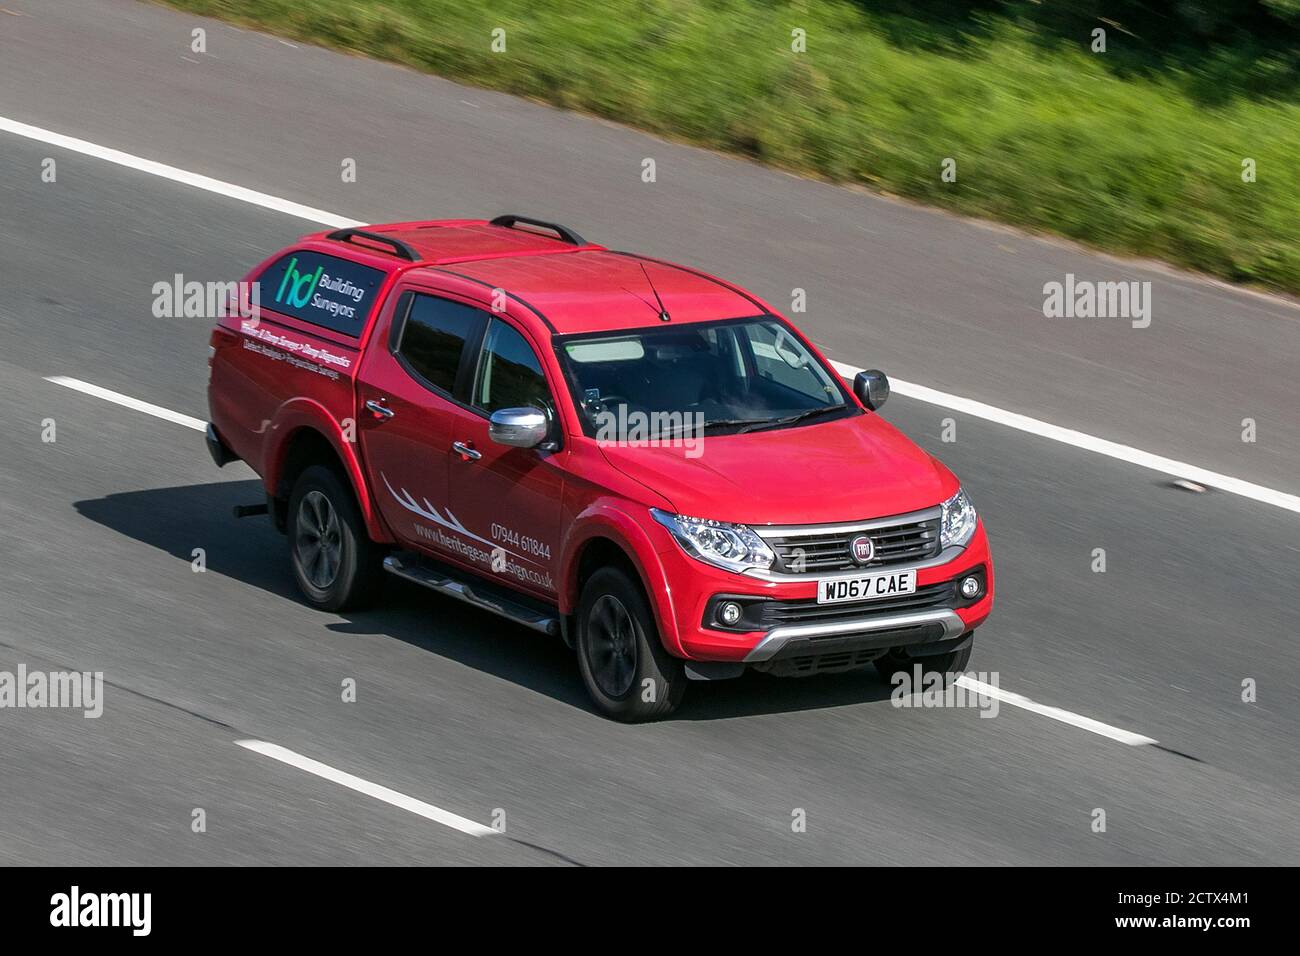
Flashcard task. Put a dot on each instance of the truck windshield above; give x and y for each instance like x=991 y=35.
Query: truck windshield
x=723 y=377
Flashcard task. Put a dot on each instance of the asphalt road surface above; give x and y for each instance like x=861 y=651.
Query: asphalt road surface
x=481 y=721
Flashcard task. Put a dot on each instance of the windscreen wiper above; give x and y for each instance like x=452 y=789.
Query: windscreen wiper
x=717 y=423
x=791 y=419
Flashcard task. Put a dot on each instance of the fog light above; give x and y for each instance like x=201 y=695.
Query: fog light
x=729 y=613
x=970 y=586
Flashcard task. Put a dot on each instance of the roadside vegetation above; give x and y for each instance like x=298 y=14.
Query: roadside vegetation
x=1138 y=149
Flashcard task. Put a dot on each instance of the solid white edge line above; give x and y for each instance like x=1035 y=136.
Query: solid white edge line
x=1024 y=423
x=391 y=797
x=1100 y=446
x=182 y=176
x=157 y=411
x=1056 y=713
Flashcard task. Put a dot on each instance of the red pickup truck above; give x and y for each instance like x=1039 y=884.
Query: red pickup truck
x=643 y=459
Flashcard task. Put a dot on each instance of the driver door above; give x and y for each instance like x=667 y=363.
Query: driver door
x=509 y=498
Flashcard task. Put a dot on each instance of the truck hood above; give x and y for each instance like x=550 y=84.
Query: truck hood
x=847 y=470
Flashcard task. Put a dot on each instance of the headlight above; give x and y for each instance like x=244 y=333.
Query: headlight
x=958 y=520
x=732 y=546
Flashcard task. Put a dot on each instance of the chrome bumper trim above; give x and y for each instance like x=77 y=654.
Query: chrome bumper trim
x=779 y=637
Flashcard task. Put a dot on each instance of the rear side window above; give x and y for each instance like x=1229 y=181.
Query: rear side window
x=324 y=290
x=509 y=374
x=433 y=338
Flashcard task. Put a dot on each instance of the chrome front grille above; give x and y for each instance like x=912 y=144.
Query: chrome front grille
x=817 y=549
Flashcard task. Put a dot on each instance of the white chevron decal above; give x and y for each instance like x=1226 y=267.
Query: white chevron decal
x=430 y=513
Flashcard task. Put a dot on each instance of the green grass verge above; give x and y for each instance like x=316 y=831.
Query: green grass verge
x=1045 y=134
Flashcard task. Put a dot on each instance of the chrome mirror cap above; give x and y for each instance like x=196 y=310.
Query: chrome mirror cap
x=518 y=427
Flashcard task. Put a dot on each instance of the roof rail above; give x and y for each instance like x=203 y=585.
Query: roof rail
x=563 y=232
x=400 y=249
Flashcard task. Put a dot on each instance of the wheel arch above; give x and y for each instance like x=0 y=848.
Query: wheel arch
x=606 y=536
x=306 y=435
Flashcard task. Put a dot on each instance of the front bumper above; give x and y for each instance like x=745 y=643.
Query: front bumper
x=782 y=620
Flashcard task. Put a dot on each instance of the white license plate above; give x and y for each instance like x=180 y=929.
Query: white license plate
x=865 y=587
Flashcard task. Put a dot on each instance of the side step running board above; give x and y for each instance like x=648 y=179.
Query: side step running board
x=478 y=594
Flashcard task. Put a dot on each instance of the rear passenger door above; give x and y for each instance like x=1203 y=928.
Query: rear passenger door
x=510 y=497
x=406 y=401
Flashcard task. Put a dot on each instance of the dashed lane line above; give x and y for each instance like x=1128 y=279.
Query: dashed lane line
x=361 y=785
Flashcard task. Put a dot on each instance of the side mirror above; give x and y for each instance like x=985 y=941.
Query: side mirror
x=871 y=387
x=518 y=427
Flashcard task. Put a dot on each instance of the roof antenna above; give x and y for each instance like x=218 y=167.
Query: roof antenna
x=663 y=313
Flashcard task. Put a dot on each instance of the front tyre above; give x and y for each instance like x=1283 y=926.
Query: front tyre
x=335 y=563
x=624 y=666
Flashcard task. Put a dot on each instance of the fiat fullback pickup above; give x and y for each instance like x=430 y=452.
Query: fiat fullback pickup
x=640 y=458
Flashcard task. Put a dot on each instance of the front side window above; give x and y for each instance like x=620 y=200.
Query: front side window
x=433 y=338
x=731 y=376
x=509 y=374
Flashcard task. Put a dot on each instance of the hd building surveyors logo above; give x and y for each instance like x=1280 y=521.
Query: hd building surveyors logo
x=77 y=909
x=301 y=289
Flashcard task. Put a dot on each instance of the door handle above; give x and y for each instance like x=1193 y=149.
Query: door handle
x=465 y=452
x=378 y=410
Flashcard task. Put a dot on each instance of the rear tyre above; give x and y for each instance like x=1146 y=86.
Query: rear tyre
x=335 y=563
x=951 y=665
x=624 y=666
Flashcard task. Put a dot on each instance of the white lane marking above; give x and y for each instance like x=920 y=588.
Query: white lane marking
x=1033 y=426
x=157 y=411
x=1074 y=720
x=176 y=175
x=1100 y=446
x=392 y=797
x=279 y=753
